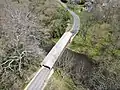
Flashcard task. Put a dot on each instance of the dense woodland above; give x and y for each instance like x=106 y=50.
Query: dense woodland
x=24 y=39
x=29 y=29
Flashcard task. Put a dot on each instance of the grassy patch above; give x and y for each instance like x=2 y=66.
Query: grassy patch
x=61 y=82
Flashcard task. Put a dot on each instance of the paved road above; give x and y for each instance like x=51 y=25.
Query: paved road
x=38 y=82
x=76 y=22
x=40 y=79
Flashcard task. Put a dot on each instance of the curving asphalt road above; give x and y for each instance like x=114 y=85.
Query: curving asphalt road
x=76 y=22
x=41 y=78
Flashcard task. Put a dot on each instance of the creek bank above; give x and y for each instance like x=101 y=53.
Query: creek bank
x=78 y=66
x=74 y=65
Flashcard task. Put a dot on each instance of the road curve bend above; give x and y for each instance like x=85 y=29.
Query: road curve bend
x=41 y=78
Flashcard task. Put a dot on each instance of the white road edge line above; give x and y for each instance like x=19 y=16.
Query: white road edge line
x=51 y=72
x=26 y=88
